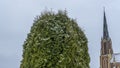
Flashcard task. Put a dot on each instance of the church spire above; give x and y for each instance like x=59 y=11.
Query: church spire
x=105 y=28
x=106 y=46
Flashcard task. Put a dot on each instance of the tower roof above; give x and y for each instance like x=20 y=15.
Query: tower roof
x=105 y=28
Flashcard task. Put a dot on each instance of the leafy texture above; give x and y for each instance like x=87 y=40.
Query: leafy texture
x=55 y=41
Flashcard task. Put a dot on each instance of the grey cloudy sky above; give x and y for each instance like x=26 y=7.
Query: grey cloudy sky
x=16 y=19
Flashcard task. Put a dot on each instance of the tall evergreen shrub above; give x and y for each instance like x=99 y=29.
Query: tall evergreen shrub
x=55 y=41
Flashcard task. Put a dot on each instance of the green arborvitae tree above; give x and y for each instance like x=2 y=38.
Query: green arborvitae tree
x=55 y=41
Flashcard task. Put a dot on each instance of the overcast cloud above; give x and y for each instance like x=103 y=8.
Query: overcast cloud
x=16 y=19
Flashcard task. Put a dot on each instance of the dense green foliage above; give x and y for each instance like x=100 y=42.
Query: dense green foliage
x=55 y=41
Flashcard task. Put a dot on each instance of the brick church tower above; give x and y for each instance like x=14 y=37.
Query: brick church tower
x=106 y=46
x=108 y=59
